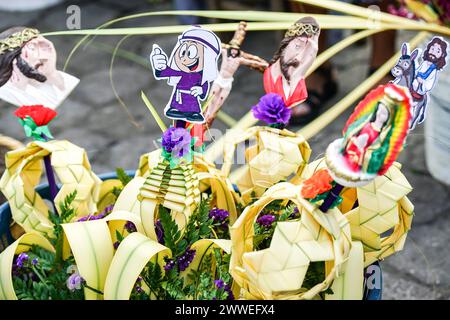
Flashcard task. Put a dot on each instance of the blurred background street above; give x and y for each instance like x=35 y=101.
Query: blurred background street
x=93 y=118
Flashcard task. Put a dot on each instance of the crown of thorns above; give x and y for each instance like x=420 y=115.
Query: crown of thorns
x=299 y=29
x=17 y=39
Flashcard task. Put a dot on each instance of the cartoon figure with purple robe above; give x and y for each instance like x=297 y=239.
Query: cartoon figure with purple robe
x=190 y=70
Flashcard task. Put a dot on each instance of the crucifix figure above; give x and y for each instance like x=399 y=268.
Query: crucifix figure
x=232 y=58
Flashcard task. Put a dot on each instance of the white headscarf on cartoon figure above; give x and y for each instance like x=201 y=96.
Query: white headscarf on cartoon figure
x=211 y=45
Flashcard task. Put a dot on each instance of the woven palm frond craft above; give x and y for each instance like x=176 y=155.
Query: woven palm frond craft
x=183 y=226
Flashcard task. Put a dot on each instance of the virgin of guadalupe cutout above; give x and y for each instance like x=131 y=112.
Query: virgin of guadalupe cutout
x=28 y=73
x=372 y=138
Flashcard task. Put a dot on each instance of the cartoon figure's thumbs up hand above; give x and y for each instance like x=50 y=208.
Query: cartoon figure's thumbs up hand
x=158 y=58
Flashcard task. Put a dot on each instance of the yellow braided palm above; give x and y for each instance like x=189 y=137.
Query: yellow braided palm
x=23 y=172
x=275 y=156
x=278 y=271
x=382 y=206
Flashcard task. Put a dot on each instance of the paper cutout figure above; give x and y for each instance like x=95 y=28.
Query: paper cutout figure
x=433 y=60
x=190 y=70
x=298 y=49
x=372 y=138
x=28 y=73
x=420 y=81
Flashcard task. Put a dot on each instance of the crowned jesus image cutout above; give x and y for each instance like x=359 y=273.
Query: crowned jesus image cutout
x=28 y=72
x=190 y=70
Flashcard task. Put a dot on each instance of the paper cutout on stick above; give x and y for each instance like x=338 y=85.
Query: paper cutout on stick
x=191 y=68
x=28 y=73
x=421 y=78
x=285 y=75
x=372 y=138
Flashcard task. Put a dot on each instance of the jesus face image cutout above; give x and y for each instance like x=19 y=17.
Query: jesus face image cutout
x=190 y=69
x=28 y=73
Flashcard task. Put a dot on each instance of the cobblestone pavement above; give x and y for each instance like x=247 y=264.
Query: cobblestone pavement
x=92 y=118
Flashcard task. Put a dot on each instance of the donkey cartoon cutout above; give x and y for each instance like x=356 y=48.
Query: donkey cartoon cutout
x=433 y=61
x=405 y=69
x=420 y=81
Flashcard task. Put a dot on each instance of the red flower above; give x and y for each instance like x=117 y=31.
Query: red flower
x=41 y=115
x=197 y=131
x=319 y=183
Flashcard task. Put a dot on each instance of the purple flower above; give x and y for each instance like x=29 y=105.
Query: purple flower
x=74 y=282
x=185 y=260
x=35 y=261
x=230 y=293
x=159 y=231
x=105 y=211
x=130 y=227
x=21 y=259
x=170 y=264
x=139 y=289
x=99 y=216
x=266 y=220
x=294 y=213
x=85 y=218
x=116 y=244
x=272 y=110
x=177 y=141
x=218 y=215
x=219 y=283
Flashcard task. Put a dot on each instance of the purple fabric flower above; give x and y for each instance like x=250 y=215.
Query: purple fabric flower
x=272 y=110
x=130 y=227
x=159 y=231
x=266 y=220
x=218 y=215
x=21 y=259
x=177 y=141
x=185 y=260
